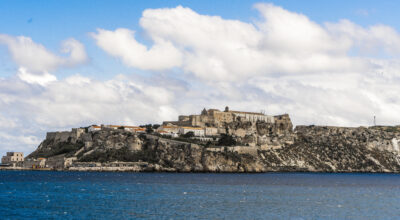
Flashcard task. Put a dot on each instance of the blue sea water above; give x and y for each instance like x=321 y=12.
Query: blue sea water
x=91 y=195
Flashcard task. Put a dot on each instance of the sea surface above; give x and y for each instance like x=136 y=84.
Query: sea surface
x=96 y=195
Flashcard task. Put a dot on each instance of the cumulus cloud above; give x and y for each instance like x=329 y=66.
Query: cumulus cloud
x=283 y=60
x=122 y=43
x=283 y=57
x=216 y=49
x=35 y=61
x=374 y=40
x=80 y=101
x=328 y=74
x=42 y=79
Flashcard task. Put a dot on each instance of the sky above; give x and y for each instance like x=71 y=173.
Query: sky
x=66 y=64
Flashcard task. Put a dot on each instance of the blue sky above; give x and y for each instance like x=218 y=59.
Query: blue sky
x=49 y=22
x=67 y=64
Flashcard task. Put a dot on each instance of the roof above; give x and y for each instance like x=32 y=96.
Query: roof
x=115 y=126
x=169 y=126
x=140 y=129
x=130 y=126
x=250 y=113
x=192 y=128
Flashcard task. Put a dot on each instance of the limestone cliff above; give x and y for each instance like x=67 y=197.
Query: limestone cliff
x=260 y=147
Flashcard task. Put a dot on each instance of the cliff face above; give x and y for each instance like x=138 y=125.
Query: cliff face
x=336 y=149
x=261 y=147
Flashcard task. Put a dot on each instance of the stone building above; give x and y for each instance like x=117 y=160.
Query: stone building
x=59 y=161
x=211 y=131
x=283 y=123
x=35 y=163
x=216 y=118
x=12 y=158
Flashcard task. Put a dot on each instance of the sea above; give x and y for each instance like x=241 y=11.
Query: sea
x=108 y=195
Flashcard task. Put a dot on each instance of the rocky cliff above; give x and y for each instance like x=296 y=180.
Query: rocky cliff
x=260 y=147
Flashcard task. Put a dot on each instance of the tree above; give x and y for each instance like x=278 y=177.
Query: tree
x=149 y=130
x=226 y=140
x=189 y=134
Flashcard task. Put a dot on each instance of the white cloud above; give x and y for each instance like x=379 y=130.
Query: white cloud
x=217 y=49
x=378 y=39
x=34 y=59
x=42 y=79
x=18 y=143
x=80 y=101
x=332 y=73
x=121 y=43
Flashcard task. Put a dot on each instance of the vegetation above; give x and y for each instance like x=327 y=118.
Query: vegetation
x=149 y=128
x=122 y=154
x=86 y=129
x=60 y=148
x=189 y=134
x=226 y=140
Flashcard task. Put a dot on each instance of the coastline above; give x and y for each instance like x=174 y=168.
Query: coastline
x=118 y=170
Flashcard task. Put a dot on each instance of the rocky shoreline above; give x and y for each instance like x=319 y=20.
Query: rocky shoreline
x=266 y=149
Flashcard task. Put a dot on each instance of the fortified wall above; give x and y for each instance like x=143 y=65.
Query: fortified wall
x=217 y=118
x=63 y=136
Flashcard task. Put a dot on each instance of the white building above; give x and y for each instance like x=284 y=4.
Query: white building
x=169 y=128
x=94 y=128
x=196 y=131
x=125 y=127
x=253 y=117
x=168 y=134
x=12 y=158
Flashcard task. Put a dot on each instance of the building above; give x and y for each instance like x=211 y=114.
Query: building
x=169 y=128
x=12 y=158
x=217 y=118
x=140 y=130
x=168 y=134
x=59 y=161
x=35 y=163
x=132 y=128
x=94 y=128
x=211 y=131
x=198 y=132
x=124 y=127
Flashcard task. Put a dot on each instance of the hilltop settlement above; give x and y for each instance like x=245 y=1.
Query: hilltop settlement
x=216 y=141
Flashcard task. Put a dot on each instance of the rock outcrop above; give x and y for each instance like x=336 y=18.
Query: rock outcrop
x=260 y=147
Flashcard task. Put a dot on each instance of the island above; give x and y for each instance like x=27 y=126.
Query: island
x=218 y=141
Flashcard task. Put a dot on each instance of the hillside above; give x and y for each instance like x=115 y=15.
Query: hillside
x=258 y=147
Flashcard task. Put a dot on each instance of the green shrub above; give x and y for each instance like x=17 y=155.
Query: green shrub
x=226 y=140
